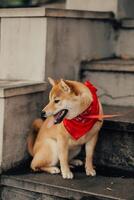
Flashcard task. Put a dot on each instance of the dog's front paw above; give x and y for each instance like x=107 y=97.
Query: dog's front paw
x=90 y=172
x=67 y=174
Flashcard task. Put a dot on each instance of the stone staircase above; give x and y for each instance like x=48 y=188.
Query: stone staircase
x=40 y=39
x=114 y=164
x=75 y=45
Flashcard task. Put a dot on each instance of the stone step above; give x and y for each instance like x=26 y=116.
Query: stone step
x=127 y=23
x=29 y=186
x=114 y=79
x=115 y=145
x=20 y=103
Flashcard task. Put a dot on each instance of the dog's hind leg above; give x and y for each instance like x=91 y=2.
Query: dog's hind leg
x=37 y=162
x=46 y=158
x=40 y=164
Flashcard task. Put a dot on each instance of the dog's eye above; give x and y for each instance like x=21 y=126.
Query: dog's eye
x=56 y=101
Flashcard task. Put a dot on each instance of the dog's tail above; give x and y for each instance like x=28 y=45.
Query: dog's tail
x=33 y=135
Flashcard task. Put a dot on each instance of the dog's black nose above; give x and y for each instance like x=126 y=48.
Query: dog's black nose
x=43 y=115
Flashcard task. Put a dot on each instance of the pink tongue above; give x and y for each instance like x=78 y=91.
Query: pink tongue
x=52 y=121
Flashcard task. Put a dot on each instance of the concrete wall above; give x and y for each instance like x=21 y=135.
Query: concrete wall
x=23 y=45
x=73 y=40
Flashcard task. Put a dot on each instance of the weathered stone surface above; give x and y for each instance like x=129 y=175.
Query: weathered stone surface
x=125 y=46
x=11 y=193
x=82 y=187
x=115 y=149
x=114 y=80
x=115 y=145
x=21 y=103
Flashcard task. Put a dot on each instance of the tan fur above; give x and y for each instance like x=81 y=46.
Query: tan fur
x=54 y=144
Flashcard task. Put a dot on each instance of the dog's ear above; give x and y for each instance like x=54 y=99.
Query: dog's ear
x=51 y=81
x=64 y=86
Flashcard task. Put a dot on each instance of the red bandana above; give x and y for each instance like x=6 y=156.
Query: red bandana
x=83 y=123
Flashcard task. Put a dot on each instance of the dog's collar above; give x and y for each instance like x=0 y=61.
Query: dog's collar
x=83 y=123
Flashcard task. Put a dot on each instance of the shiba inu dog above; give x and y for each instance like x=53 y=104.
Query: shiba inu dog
x=70 y=121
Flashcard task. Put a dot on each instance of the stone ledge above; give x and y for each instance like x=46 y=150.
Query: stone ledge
x=127 y=23
x=49 y=12
x=124 y=122
x=109 y=65
x=10 y=88
x=82 y=187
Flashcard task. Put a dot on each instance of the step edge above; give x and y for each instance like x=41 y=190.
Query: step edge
x=22 y=89
x=127 y=23
x=118 y=125
x=108 y=67
x=79 y=14
x=52 y=12
x=90 y=194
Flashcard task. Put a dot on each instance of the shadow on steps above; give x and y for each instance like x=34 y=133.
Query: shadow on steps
x=24 y=168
